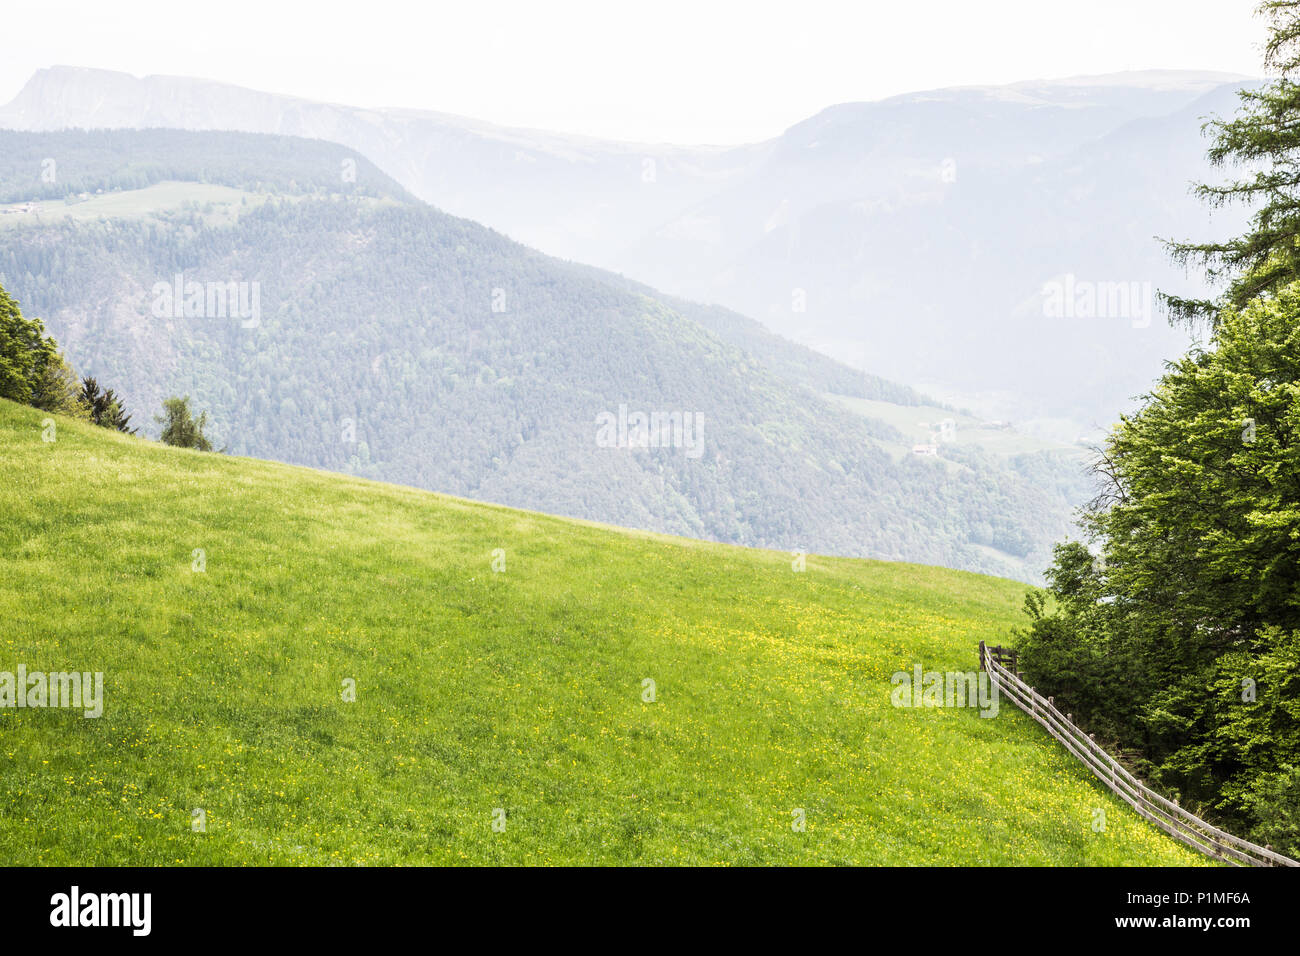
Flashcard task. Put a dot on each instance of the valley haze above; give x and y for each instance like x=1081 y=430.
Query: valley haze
x=910 y=237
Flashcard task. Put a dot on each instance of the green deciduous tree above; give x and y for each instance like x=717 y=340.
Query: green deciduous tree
x=32 y=370
x=1181 y=637
x=55 y=387
x=22 y=346
x=180 y=427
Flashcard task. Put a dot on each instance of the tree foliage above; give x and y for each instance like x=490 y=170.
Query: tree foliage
x=1180 y=636
x=104 y=406
x=1264 y=139
x=32 y=370
x=180 y=428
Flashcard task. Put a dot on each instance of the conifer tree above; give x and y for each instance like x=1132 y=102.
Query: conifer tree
x=1264 y=137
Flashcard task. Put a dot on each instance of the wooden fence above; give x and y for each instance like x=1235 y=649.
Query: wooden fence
x=1165 y=814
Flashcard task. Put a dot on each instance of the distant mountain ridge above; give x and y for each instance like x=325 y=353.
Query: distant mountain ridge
x=911 y=237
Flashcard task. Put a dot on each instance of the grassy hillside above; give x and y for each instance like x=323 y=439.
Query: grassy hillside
x=210 y=205
x=478 y=690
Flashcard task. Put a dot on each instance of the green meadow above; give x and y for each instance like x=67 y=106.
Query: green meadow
x=217 y=205
x=502 y=714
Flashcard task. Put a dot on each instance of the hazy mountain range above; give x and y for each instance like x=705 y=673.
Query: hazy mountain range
x=925 y=238
x=323 y=315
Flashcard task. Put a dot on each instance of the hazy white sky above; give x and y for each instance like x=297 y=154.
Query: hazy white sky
x=687 y=71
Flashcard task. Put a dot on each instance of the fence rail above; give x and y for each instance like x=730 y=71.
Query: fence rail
x=1164 y=813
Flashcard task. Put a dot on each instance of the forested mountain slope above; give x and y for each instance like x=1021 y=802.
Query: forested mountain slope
x=910 y=236
x=398 y=342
